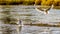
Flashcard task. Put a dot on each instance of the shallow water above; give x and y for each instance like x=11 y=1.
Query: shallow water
x=29 y=15
x=33 y=15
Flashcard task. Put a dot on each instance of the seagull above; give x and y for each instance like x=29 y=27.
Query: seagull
x=19 y=23
x=45 y=11
x=19 y=26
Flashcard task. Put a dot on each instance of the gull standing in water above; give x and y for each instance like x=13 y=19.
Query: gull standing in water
x=45 y=11
x=19 y=23
x=19 y=26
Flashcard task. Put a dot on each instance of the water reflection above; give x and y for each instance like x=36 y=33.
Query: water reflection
x=10 y=29
x=39 y=30
x=6 y=30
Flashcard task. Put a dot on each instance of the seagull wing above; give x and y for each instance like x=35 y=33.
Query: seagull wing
x=40 y=9
x=48 y=8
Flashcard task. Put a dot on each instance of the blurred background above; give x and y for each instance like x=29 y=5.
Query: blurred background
x=11 y=11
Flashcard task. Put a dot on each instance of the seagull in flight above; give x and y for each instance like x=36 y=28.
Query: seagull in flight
x=45 y=11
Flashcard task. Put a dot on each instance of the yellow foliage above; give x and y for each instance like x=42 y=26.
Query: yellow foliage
x=38 y=2
x=49 y=2
x=43 y=3
x=28 y=2
x=31 y=2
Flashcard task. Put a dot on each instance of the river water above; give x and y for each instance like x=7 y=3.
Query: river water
x=28 y=15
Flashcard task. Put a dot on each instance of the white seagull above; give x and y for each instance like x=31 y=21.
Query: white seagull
x=45 y=11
